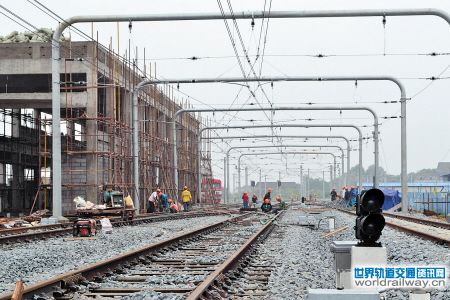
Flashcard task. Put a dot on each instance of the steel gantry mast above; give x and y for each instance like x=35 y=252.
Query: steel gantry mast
x=287 y=136
x=289 y=126
x=291 y=152
x=284 y=146
x=56 y=69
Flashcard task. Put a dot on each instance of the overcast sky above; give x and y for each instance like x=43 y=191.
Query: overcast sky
x=359 y=44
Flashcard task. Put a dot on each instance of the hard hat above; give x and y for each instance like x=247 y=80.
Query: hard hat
x=185 y=188
x=245 y=193
x=158 y=190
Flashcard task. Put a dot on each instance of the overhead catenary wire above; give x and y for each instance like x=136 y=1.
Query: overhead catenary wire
x=306 y=55
x=236 y=51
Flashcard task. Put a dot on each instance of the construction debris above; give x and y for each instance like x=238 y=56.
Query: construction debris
x=42 y=35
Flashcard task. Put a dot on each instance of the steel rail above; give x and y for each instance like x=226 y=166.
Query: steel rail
x=425 y=235
x=419 y=220
x=16 y=230
x=38 y=235
x=227 y=264
x=92 y=270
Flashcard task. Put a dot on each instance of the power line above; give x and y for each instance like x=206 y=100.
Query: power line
x=433 y=79
x=275 y=55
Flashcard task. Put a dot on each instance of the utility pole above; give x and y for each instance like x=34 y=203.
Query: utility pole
x=224 y=176
x=308 y=192
x=301 y=181
x=260 y=183
x=265 y=183
x=331 y=175
x=246 y=177
x=234 y=183
x=279 y=181
x=323 y=184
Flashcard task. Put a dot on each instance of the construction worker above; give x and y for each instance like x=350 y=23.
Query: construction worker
x=267 y=195
x=186 y=197
x=152 y=201
x=342 y=195
x=245 y=199
x=333 y=195
x=254 y=200
x=173 y=207
x=281 y=202
x=128 y=201
x=266 y=206
x=107 y=196
x=353 y=195
x=163 y=201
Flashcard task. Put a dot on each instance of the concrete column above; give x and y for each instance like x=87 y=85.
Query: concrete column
x=17 y=168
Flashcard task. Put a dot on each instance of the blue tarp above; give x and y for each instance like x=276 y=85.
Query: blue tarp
x=391 y=198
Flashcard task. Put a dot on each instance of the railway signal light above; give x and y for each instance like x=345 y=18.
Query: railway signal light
x=279 y=183
x=370 y=221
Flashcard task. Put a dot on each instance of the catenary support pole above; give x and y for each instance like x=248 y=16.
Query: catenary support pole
x=308 y=192
x=301 y=180
x=260 y=183
x=291 y=126
x=282 y=146
x=250 y=147
x=56 y=64
x=323 y=185
x=293 y=108
x=331 y=175
x=317 y=108
x=306 y=137
x=290 y=152
x=224 y=176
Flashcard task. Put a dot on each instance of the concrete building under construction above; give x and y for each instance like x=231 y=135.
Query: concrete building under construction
x=96 y=87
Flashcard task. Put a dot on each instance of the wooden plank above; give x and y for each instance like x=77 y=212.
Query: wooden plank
x=18 y=291
x=79 y=238
x=334 y=232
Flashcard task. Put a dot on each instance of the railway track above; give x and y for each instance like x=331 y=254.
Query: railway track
x=194 y=265
x=419 y=227
x=29 y=234
x=428 y=222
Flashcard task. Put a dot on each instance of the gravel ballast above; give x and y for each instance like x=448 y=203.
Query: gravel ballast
x=303 y=260
x=41 y=260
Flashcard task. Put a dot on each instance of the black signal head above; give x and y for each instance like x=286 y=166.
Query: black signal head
x=371 y=201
